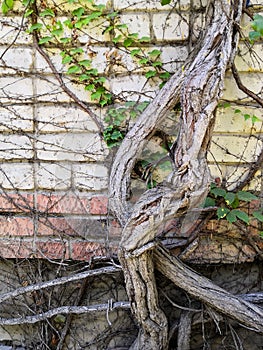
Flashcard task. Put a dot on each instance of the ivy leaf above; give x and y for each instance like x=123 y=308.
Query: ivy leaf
x=128 y=42
x=45 y=39
x=47 y=12
x=165 y=2
x=241 y=215
x=230 y=198
x=246 y=196
x=258 y=215
x=154 y=53
x=231 y=217
x=7 y=5
x=209 y=202
x=217 y=191
x=35 y=26
x=150 y=74
x=73 y=69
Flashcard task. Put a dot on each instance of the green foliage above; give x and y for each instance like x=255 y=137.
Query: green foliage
x=165 y=2
x=253 y=118
x=7 y=5
x=231 y=205
x=257 y=26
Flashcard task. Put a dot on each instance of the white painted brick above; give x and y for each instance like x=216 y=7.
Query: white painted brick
x=128 y=86
x=249 y=60
x=90 y=177
x=229 y=121
x=71 y=147
x=137 y=23
x=234 y=175
x=53 y=176
x=152 y=4
x=17 y=176
x=170 y=26
x=42 y=66
x=15 y=118
x=173 y=56
x=252 y=81
x=10 y=31
x=49 y=90
x=15 y=88
x=234 y=149
x=61 y=118
x=15 y=147
x=15 y=59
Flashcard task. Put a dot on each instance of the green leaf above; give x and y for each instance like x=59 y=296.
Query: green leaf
x=231 y=217
x=165 y=76
x=143 y=60
x=218 y=192
x=230 y=198
x=35 y=26
x=128 y=42
x=247 y=116
x=255 y=119
x=258 y=215
x=76 y=51
x=85 y=63
x=73 y=69
x=7 y=5
x=237 y=111
x=165 y=2
x=67 y=59
x=78 y=12
x=45 y=39
x=135 y=52
x=47 y=12
x=89 y=87
x=246 y=196
x=241 y=215
x=157 y=64
x=117 y=39
x=150 y=74
x=154 y=53
x=254 y=36
x=222 y=212
x=209 y=202
x=144 y=39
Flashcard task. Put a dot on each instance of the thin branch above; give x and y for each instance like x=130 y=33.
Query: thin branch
x=57 y=75
x=58 y=281
x=243 y=88
x=65 y=310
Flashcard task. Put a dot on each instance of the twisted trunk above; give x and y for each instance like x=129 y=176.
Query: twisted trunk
x=199 y=88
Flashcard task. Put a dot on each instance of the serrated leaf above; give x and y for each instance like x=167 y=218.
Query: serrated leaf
x=229 y=198
x=222 y=212
x=231 y=217
x=150 y=74
x=246 y=196
x=217 y=191
x=258 y=215
x=135 y=52
x=241 y=215
x=85 y=63
x=73 y=69
x=7 y=5
x=209 y=202
x=47 y=12
x=35 y=26
x=165 y=2
x=45 y=39
x=154 y=53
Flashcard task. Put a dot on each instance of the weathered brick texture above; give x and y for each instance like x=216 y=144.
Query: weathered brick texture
x=54 y=165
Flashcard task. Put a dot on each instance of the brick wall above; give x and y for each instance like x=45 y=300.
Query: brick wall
x=54 y=166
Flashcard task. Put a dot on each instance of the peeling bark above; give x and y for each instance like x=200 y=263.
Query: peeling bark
x=199 y=87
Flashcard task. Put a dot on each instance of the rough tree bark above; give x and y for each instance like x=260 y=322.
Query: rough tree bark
x=198 y=87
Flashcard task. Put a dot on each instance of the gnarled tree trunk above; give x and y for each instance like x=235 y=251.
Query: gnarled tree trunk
x=198 y=87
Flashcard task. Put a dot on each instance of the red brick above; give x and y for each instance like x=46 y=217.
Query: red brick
x=19 y=249
x=52 y=250
x=99 y=205
x=62 y=204
x=16 y=203
x=83 y=250
x=54 y=227
x=16 y=226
